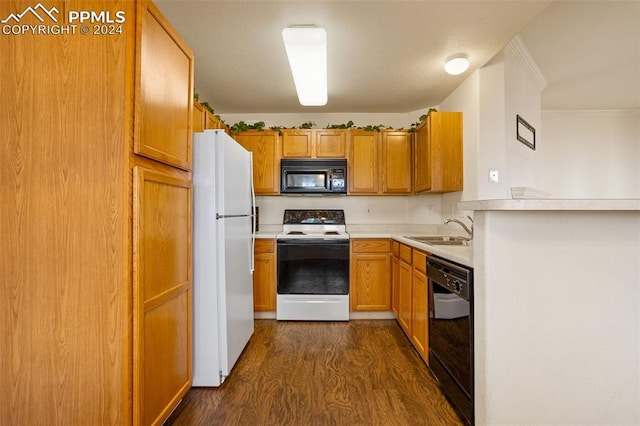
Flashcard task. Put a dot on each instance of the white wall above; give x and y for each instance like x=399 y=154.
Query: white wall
x=523 y=88
x=579 y=154
x=490 y=99
x=466 y=99
x=590 y=154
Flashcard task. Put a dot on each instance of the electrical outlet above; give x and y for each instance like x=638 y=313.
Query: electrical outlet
x=493 y=176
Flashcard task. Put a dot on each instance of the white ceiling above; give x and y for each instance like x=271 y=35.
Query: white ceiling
x=387 y=56
x=589 y=52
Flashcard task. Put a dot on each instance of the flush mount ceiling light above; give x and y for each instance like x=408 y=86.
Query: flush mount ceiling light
x=456 y=64
x=306 y=48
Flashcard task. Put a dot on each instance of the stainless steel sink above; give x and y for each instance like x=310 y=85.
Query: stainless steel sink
x=441 y=240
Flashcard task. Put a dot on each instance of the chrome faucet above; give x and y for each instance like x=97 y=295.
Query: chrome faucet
x=465 y=227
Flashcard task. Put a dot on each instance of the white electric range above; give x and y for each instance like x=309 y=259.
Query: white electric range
x=313 y=266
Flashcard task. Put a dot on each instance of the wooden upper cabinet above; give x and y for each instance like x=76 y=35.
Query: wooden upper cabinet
x=212 y=122
x=380 y=162
x=331 y=143
x=363 y=162
x=198 y=117
x=297 y=143
x=308 y=143
x=163 y=93
x=265 y=146
x=396 y=159
x=438 y=153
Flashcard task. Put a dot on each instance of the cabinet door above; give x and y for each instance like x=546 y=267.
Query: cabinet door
x=405 y=296
x=331 y=143
x=164 y=93
x=396 y=162
x=264 y=276
x=370 y=290
x=266 y=160
x=161 y=293
x=438 y=159
x=420 y=319
x=212 y=122
x=363 y=162
x=446 y=152
x=198 y=117
x=421 y=163
x=297 y=143
x=395 y=285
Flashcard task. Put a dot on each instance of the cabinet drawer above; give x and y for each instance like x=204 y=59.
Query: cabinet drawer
x=420 y=260
x=377 y=245
x=264 y=246
x=395 y=248
x=405 y=253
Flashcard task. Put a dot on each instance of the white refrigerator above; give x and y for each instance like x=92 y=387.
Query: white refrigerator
x=223 y=241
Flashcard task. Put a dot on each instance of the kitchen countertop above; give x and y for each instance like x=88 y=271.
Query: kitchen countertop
x=460 y=254
x=552 y=205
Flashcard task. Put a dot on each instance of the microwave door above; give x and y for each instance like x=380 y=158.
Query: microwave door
x=307 y=181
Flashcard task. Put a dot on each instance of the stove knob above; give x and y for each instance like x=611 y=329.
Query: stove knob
x=457 y=285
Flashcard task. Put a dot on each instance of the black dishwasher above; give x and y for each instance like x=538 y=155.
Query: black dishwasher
x=451 y=331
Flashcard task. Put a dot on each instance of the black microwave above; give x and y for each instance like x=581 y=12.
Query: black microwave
x=301 y=176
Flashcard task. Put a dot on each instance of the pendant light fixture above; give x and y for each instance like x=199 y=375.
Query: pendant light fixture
x=306 y=47
x=456 y=64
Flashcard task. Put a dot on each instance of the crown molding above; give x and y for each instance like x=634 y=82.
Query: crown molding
x=521 y=53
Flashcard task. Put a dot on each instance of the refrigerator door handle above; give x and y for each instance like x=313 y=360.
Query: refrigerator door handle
x=226 y=216
x=253 y=215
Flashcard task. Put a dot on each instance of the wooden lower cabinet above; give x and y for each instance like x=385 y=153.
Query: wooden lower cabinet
x=161 y=293
x=404 y=296
x=264 y=276
x=370 y=288
x=395 y=278
x=419 y=316
x=410 y=287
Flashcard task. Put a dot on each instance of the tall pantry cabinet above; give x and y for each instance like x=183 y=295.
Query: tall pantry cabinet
x=95 y=260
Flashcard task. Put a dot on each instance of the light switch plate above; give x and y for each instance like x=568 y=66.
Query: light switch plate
x=493 y=176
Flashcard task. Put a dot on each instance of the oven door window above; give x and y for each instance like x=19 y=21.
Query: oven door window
x=313 y=267
x=450 y=334
x=306 y=180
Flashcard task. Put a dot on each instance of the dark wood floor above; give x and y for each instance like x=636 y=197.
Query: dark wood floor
x=362 y=372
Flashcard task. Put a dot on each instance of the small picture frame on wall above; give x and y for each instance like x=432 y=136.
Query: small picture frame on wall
x=525 y=132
